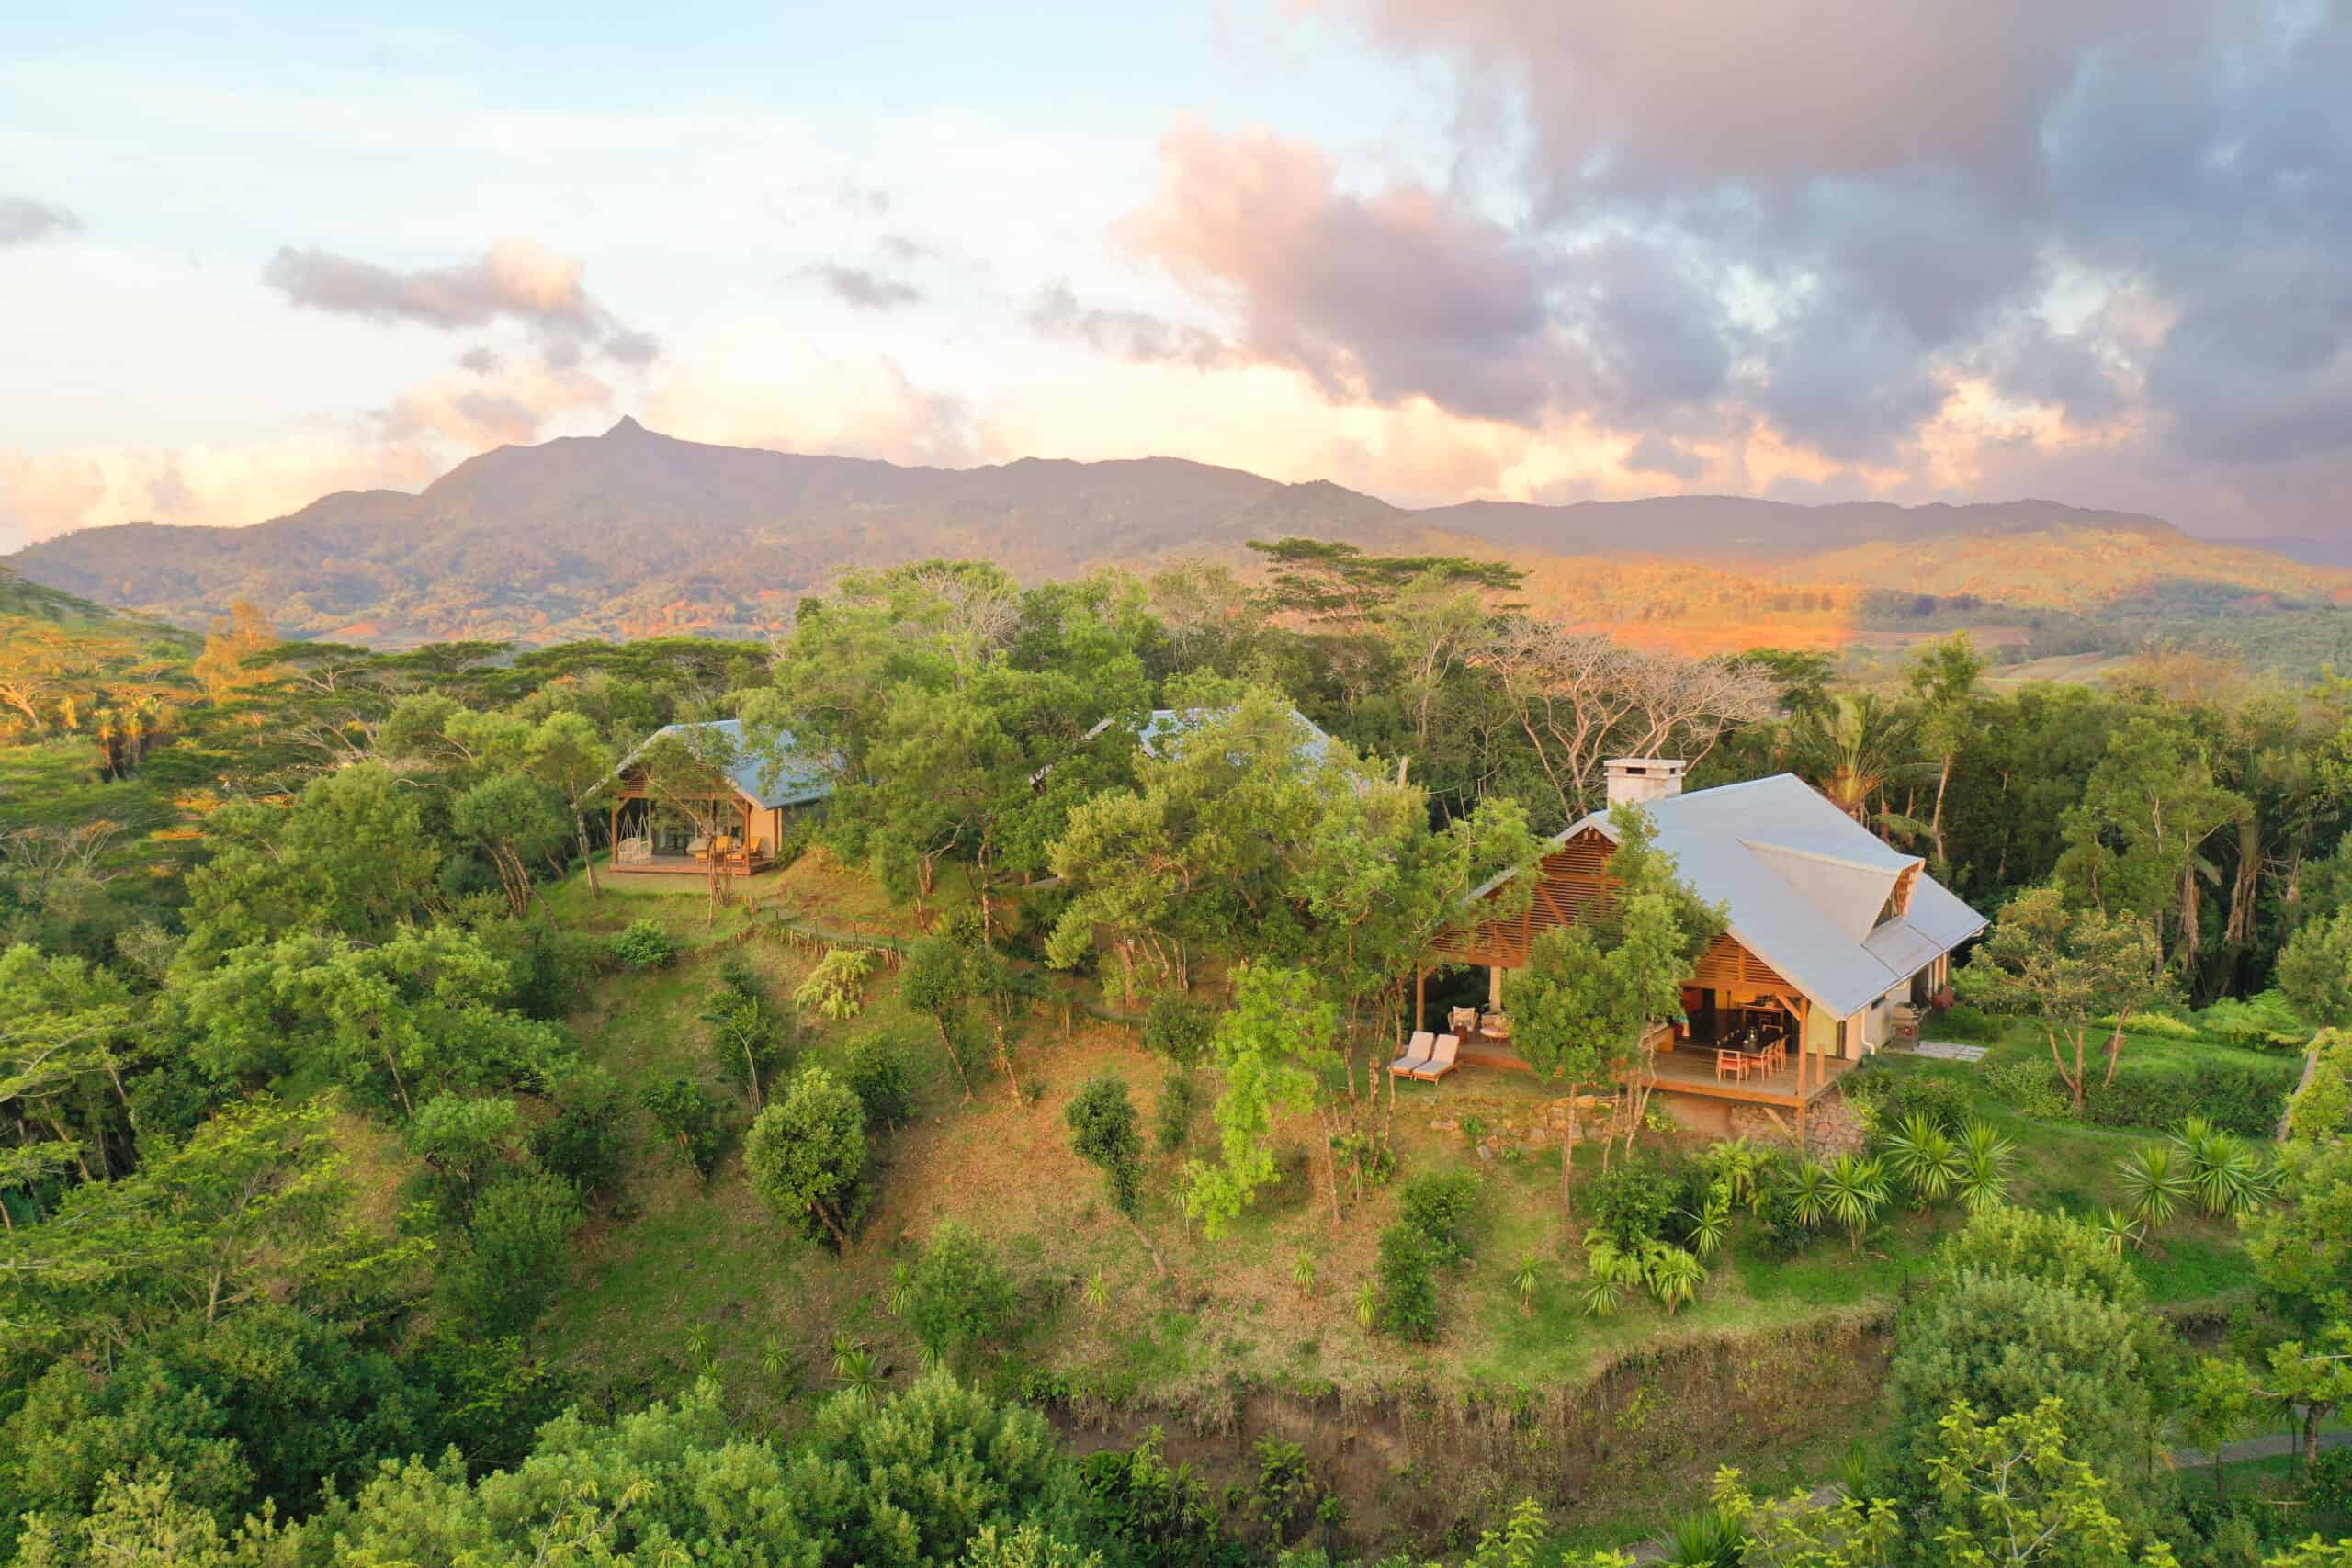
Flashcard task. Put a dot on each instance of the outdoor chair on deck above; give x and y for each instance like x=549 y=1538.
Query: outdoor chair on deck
x=1440 y=1060
x=1462 y=1020
x=1732 y=1064
x=1417 y=1054
x=700 y=847
x=752 y=853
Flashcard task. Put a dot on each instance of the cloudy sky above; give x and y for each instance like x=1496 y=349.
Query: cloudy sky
x=1536 y=249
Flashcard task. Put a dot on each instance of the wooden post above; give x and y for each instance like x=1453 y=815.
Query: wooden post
x=1495 y=987
x=1420 y=1001
x=613 y=834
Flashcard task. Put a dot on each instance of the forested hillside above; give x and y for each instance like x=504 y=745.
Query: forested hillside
x=1010 y=1175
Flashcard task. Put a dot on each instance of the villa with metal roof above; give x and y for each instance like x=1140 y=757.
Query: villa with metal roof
x=1829 y=932
x=696 y=797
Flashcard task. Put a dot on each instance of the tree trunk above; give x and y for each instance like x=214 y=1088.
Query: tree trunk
x=824 y=1211
x=1935 y=823
x=2073 y=1080
x=1569 y=1135
x=588 y=857
x=948 y=1045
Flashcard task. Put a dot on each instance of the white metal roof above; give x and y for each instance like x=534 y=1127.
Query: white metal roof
x=783 y=776
x=1804 y=885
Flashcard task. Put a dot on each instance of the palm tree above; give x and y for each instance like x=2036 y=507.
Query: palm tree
x=1852 y=752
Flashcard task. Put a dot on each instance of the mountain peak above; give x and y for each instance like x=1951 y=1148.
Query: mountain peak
x=628 y=425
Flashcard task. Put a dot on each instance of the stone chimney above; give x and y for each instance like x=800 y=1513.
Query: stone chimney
x=1639 y=780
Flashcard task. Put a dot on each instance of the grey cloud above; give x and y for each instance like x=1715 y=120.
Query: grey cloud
x=1126 y=334
x=1399 y=295
x=1902 y=196
x=514 y=281
x=864 y=288
x=481 y=360
x=24 y=220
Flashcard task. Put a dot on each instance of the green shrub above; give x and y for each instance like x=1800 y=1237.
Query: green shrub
x=2243 y=1097
x=2327 y=1487
x=878 y=1067
x=1407 y=1284
x=836 y=989
x=1783 y=1230
x=2031 y=1088
x=514 y=1258
x=2051 y=1248
x=687 y=1116
x=1963 y=1022
x=1102 y=1131
x=806 y=1154
x=2265 y=1022
x=1440 y=1206
x=2162 y=1025
x=1172 y=1118
x=1179 y=1028
x=646 y=945
x=585 y=1140
x=1631 y=1202
x=551 y=966
x=1943 y=1100
x=958 y=1295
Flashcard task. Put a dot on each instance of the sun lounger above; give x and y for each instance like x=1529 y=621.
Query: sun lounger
x=1417 y=1053
x=1441 y=1061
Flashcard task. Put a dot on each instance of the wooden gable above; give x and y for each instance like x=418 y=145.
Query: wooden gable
x=1573 y=880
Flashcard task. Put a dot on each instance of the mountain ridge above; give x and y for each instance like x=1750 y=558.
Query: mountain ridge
x=632 y=532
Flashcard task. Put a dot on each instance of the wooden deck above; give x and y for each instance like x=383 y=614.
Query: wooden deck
x=1690 y=1071
x=682 y=865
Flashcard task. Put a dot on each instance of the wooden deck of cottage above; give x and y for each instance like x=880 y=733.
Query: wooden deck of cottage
x=1689 y=1071
x=648 y=864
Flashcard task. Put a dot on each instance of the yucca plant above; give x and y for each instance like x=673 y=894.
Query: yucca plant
x=859 y=1373
x=1098 y=1291
x=1368 y=1306
x=1734 y=1168
x=1856 y=1190
x=1924 y=1159
x=1674 y=1276
x=1526 y=1277
x=1809 y=1193
x=901 y=1289
x=1710 y=1221
x=2227 y=1177
x=775 y=1359
x=1608 y=1272
x=2156 y=1183
x=698 y=1345
x=1985 y=1156
x=2117 y=1229
x=1303 y=1270
x=1707 y=1539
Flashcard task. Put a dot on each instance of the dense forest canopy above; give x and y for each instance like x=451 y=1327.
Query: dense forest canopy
x=268 y=905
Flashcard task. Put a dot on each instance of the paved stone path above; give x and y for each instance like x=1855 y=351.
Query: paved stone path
x=1944 y=1051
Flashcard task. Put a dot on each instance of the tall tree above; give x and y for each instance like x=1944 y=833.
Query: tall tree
x=2069 y=968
